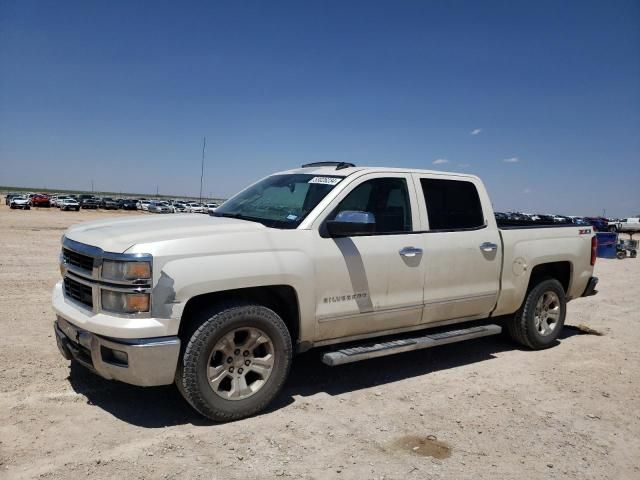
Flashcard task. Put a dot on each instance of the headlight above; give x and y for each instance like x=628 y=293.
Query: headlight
x=122 y=302
x=112 y=270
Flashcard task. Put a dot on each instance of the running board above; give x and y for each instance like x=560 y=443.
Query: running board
x=373 y=350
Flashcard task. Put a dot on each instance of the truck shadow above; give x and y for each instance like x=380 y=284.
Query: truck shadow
x=160 y=407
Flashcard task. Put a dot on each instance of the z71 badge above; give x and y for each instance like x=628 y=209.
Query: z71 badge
x=585 y=231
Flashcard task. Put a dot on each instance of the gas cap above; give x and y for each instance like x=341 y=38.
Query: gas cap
x=519 y=266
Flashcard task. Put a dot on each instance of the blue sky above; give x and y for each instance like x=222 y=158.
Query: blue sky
x=541 y=99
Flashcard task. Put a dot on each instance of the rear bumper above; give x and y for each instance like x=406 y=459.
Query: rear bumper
x=591 y=287
x=145 y=362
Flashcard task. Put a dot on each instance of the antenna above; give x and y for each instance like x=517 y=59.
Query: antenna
x=204 y=144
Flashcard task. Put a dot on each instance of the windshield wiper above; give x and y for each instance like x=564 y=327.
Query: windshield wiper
x=272 y=223
x=239 y=216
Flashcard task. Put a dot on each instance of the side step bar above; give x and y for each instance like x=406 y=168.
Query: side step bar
x=373 y=350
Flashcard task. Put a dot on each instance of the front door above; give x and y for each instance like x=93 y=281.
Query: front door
x=371 y=283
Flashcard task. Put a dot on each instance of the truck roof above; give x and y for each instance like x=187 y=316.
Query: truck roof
x=349 y=170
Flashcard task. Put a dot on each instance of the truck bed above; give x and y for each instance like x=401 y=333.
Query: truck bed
x=525 y=246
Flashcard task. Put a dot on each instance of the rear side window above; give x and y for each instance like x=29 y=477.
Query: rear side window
x=452 y=204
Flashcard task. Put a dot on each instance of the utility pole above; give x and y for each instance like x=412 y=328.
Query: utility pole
x=157 y=190
x=204 y=144
x=92 y=185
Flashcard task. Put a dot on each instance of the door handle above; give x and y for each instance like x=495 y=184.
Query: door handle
x=488 y=247
x=410 y=251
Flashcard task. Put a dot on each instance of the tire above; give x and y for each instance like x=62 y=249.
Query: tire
x=527 y=327
x=230 y=328
x=633 y=254
x=621 y=254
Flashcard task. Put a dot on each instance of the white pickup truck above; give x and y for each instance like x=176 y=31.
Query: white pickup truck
x=363 y=262
x=626 y=225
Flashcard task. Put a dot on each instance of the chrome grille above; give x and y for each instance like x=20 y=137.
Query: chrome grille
x=78 y=260
x=78 y=291
x=81 y=268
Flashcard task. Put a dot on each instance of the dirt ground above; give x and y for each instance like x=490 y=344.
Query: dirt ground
x=480 y=409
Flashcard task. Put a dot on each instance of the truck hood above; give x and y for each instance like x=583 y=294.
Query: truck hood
x=119 y=235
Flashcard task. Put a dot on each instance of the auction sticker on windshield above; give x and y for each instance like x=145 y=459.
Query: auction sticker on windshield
x=325 y=180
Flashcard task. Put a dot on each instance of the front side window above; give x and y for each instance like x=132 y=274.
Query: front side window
x=386 y=198
x=279 y=201
x=452 y=204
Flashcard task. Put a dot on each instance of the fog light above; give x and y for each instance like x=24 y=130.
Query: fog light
x=120 y=357
x=116 y=357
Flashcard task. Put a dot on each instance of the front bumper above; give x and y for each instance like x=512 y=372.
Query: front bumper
x=591 y=287
x=144 y=362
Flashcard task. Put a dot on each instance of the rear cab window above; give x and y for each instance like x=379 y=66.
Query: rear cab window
x=452 y=204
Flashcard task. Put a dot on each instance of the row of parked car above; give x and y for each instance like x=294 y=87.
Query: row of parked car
x=599 y=224
x=87 y=201
x=175 y=206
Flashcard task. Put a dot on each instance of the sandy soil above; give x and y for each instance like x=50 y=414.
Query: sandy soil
x=481 y=409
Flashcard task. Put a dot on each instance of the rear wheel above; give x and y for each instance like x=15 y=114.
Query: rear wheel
x=540 y=319
x=235 y=362
x=621 y=254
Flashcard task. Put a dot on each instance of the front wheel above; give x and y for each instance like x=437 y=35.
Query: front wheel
x=235 y=362
x=540 y=319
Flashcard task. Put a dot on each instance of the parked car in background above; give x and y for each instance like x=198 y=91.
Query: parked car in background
x=598 y=223
x=39 y=200
x=194 y=207
x=143 y=205
x=158 y=207
x=625 y=225
x=128 y=204
x=19 y=202
x=108 y=203
x=9 y=196
x=88 y=201
x=179 y=206
x=59 y=199
x=211 y=207
x=85 y=196
x=579 y=221
x=69 y=204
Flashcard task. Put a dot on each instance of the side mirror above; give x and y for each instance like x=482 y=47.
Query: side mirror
x=350 y=223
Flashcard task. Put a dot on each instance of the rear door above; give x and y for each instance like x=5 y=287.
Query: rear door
x=462 y=248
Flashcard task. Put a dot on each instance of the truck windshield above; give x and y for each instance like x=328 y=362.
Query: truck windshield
x=280 y=201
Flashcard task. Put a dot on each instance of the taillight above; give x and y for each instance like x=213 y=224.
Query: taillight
x=594 y=249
